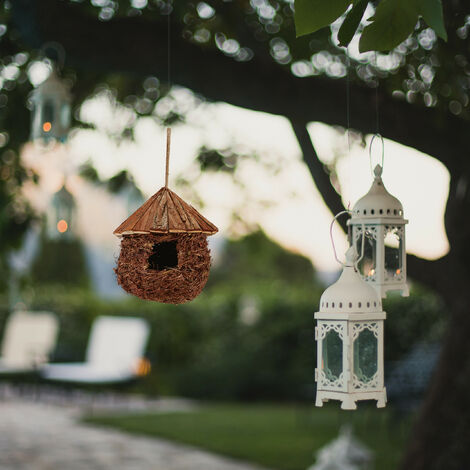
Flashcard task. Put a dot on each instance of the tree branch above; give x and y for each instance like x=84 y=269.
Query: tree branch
x=317 y=170
x=138 y=46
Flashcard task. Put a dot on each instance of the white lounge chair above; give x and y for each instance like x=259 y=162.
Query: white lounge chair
x=114 y=353
x=28 y=340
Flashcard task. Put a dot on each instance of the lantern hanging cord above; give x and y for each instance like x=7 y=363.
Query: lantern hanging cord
x=170 y=9
x=58 y=48
x=333 y=241
x=348 y=99
x=370 y=151
x=167 y=165
x=348 y=113
x=377 y=128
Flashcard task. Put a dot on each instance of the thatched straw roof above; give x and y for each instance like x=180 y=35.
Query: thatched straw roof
x=165 y=212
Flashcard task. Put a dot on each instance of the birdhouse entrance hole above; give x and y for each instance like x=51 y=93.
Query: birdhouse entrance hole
x=164 y=256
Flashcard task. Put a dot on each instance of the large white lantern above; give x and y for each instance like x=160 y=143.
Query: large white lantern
x=349 y=334
x=51 y=109
x=380 y=216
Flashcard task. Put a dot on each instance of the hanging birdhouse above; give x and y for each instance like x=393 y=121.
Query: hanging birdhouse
x=51 y=109
x=164 y=253
x=380 y=216
x=349 y=334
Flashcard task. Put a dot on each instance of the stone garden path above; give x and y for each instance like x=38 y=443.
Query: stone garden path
x=39 y=435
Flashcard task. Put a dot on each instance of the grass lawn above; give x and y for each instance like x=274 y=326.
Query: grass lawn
x=281 y=437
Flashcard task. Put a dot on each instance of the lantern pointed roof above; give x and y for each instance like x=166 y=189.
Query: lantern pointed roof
x=52 y=85
x=378 y=202
x=166 y=212
x=350 y=293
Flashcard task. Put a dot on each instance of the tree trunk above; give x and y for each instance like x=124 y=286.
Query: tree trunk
x=440 y=439
x=441 y=436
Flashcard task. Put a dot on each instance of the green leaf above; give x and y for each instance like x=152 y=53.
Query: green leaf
x=431 y=11
x=393 y=22
x=312 y=15
x=351 y=22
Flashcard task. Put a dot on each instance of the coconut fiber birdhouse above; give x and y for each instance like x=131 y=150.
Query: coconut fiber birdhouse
x=164 y=254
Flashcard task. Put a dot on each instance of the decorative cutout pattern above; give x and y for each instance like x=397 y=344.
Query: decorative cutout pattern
x=372 y=384
x=336 y=326
x=370 y=230
x=326 y=384
x=358 y=327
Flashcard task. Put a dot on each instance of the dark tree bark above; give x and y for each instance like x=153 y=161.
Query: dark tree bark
x=136 y=46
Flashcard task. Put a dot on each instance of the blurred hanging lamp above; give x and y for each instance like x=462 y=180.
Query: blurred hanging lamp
x=61 y=214
x=51 y=104
x=378 y=218
x=349 y=335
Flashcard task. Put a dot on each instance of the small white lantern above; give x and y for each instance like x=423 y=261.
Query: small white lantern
x=61 y=214
x=349 y=334
x=51 y=109
x=380 y=216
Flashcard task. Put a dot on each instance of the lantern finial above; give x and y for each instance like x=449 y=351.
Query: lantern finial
x=377 y=171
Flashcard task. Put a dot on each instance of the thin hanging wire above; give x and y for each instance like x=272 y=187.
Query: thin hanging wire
x=348 y=105
x=377 y=121
x=376 y=136
x=168 y=130
x=170 y=8
x=167 y=166
x=348 y=116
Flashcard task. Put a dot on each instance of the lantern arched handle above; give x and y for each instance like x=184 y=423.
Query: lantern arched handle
x=58 y=48
x=339 y=214
x=356 y=262
x=378 y=136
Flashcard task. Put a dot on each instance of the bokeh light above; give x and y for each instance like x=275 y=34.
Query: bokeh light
x=62 y=226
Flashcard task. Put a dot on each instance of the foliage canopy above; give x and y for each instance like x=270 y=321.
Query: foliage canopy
x=392 y=23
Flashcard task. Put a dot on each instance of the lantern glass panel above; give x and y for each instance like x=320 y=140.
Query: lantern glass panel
x=367 y=265
x=393 y=253
x=332 y=355
x=365 y=355
x=65 y=115
x=64 y=212
x=48 y=111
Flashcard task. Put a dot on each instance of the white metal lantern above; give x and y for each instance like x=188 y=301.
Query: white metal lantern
x=51 y=109
x=380 y=216
x=349 y=334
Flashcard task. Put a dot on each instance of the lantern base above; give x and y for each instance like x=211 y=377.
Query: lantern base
x=382 y=289
x=348 y=400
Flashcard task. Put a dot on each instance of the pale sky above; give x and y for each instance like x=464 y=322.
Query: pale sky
x=279 y=193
